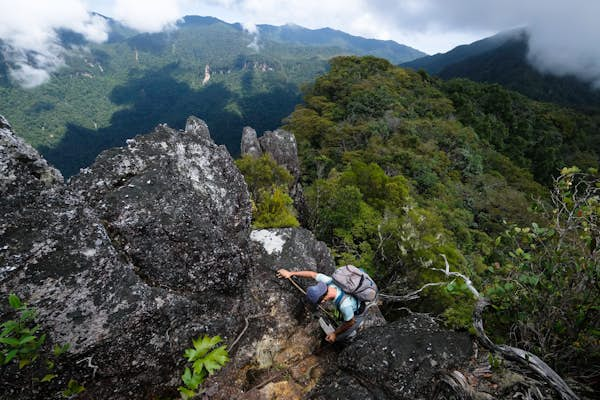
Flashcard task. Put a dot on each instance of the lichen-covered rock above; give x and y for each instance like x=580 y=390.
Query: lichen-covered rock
x=250 y=145
x=21 y=167
x=195 y=126
x=397 y=361
x=175 y=206
x=287 y=248
x=125 y=335
x=283 y=332
x=281 y=145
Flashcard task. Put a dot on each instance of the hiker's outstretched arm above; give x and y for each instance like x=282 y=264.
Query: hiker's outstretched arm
x=284 y=273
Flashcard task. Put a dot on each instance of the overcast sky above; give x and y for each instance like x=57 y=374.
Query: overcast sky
x=564 y=34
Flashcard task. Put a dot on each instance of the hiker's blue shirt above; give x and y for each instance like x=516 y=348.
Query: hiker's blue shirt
x=348 y=305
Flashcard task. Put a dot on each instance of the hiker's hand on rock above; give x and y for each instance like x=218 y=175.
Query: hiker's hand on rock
x=331 y=337
x=284 y=273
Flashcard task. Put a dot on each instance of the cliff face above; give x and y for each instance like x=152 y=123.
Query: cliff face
x=150 y=247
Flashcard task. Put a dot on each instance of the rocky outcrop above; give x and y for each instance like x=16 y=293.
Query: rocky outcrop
x=145 y=250
x=175 y=206
x=21 y=167
x=281 y=145
x=398 y=361
x=89 y=259
x=250 y=145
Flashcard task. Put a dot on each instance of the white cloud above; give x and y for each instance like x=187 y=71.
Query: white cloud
x=28 y=76
x=148 y=15
x=564 y=41
x=250 y=27
x=252 y=30
x=28 y=30
x=563 y=34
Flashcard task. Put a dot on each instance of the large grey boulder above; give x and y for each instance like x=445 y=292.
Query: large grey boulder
x=400 y=360
x=72 y=255
x=56 y=254
x=21 y=167
x=175 y=206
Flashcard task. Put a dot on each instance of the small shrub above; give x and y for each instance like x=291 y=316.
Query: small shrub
x=21 y=341
x=206 y=359
x=19 y=338
x=275 y=210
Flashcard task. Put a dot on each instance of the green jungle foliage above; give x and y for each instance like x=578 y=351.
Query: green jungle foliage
x=22 y=344
x=274 y=210
x=206 y=359
x=540 y=137
x=400 y=169
x=268 y=184
x=544 y=284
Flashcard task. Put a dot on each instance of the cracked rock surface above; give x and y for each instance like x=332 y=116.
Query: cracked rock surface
x=175 y=206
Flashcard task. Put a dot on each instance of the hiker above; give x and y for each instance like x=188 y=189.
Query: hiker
x=352 y=309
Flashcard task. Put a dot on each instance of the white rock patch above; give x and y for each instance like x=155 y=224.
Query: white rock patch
x=270 y=240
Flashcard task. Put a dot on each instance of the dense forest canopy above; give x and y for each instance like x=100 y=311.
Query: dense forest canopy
x=401 y=170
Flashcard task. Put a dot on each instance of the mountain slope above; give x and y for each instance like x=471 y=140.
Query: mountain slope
x=503 y=59
x=294 y=34
x=436 y=63
x=109 y=92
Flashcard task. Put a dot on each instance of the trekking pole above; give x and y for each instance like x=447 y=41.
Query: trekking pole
x=304 y=292
x=297 y=286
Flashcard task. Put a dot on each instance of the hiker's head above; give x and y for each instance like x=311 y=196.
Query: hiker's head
x=315 y=293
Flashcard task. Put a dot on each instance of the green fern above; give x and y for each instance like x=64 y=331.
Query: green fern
x=22 y=341
x=206 y=359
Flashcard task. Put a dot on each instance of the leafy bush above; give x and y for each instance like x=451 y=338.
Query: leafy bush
x=274 y=210
x=262 y=173
x=206 y=359
x=268 y=183
x=19 y=338
x=545 y=284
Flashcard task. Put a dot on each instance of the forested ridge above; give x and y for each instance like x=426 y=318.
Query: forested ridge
x=402 y=171
x=504 y=59
x=106 y=93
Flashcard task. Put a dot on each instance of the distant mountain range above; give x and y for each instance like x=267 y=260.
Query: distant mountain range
x=502 y=59
x=205 y=67
x=326 y=37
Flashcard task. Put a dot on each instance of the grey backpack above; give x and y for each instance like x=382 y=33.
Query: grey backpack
x=356 y=282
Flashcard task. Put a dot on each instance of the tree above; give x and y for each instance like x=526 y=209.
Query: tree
x=545 y=284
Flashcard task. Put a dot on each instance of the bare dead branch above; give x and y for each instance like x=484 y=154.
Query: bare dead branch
x=523 y=357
